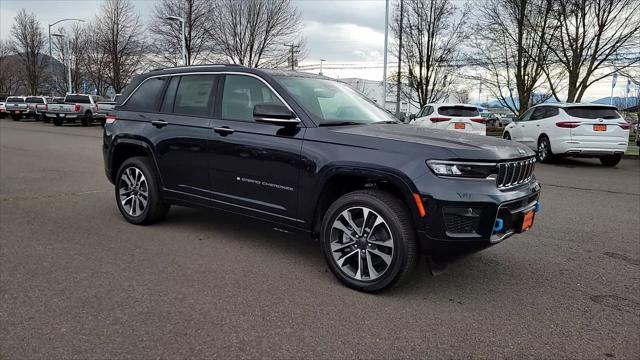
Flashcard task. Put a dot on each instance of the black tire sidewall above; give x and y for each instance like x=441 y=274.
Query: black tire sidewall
x=399 y=254
x=154 y=200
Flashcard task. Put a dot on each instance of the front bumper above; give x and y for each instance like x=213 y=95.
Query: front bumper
x=462 y=215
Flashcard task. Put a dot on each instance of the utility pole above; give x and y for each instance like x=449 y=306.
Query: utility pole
x=399 y=80
x=293 y=48
x=384 y=71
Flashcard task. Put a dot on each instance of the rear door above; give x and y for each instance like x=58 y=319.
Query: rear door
x=597 y=123
x=253 y=166
x=180 y=131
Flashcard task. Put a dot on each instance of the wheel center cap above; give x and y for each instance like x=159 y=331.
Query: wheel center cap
x=362 y=244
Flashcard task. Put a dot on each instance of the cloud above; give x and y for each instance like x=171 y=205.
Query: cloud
x=343 y=42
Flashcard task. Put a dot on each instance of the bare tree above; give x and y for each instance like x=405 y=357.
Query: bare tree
x=511 y=51
x=29 y=43
x=462 y=95
x=254 y=32
x=120 y=36
x=9 y=70
x=95 y=60
x=593 y=35
x=432 y=32
x=166 y=34
x=71 y=49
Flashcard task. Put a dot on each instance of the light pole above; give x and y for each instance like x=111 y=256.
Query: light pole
x=321 y=61
x=69 y=90
x=384 y=70
x=184 y=44
x=50 y=55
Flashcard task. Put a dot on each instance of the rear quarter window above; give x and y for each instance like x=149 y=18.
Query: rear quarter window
x=592 y=112
x=146 y=98
x=458 y=111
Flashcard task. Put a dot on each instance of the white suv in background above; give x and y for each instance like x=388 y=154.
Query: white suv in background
x=458 y=117
x=579 y=130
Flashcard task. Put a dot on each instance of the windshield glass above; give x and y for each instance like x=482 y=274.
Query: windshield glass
x=592 y=112
x=332 y=103
x=463 y=111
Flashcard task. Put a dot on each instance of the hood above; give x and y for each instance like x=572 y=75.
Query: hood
x=464 y=146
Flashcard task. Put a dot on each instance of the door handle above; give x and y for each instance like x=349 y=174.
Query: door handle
x=224 y=130
x=159 y=123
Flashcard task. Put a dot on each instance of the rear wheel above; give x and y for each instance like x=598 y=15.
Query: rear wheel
x=138 y=193
x=368 y=240
x=610 y=160
x=544 y=153
x=506 y=136
x=87 y=119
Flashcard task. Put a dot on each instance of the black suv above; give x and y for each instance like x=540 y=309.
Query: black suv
x=311 y=154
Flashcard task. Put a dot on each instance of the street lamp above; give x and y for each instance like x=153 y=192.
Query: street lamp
x=184 y=45
x=50 y=56
x=61 y=36
x=321 y=61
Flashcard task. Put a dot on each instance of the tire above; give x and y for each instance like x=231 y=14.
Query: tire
x=134 y=210
x=610 y=160
x=544 y=153
x=506 y=136
x=391 y=264
x=87 y=119
x=46 y=119
x=57 y=121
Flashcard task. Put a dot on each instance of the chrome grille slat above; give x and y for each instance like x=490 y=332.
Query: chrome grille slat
x=514 y=173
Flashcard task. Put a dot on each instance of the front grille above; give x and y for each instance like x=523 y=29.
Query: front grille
x=514 y=173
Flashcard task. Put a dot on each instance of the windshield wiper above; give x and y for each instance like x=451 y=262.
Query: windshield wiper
x=340 y=123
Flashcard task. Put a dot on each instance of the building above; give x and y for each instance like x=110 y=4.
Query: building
x=372 y=89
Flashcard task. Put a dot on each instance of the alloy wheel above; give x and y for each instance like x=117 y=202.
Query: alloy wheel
x=134 y=191
x=543 y=150
x=361 y=243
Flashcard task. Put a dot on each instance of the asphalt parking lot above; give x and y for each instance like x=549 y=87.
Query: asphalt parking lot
x=77 y=281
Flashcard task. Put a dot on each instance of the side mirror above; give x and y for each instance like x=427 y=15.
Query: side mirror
x=274 y=114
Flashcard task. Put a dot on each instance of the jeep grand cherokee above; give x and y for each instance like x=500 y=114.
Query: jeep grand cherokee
x=311 y=154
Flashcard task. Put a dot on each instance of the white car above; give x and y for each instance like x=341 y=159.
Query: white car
x=577 y=129
x=457 y=117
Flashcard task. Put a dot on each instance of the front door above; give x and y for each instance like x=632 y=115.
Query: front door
x=254 y=167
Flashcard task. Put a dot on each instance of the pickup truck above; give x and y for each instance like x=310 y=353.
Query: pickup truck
x=75 y=107
x=105 y=108
x=37 y=106
x=16 y=107
x=3 y=110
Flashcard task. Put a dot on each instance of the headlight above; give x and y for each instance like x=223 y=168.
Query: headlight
x=463 y=169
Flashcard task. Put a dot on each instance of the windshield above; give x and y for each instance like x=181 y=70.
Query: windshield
x=332 y=103
x=592 y=112
x=462 y=111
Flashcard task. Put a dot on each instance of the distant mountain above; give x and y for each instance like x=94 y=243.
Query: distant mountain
x=617 y=101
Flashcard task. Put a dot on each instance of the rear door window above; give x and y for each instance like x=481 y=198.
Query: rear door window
x=195 y=95
x=592 y=112
x=458 y=111
x=147 y=97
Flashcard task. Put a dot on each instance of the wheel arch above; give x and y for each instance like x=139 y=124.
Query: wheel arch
x=340 y=180
x=124 y=149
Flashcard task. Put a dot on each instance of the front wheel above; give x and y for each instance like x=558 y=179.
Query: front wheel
x=544 y=152
x=368 y=240
x=610 y=160
x=137 y=192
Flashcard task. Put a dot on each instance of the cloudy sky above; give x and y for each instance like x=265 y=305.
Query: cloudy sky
x=340 y=31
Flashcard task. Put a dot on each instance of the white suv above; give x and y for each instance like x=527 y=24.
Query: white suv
x=580 y=130
x=458 y=117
